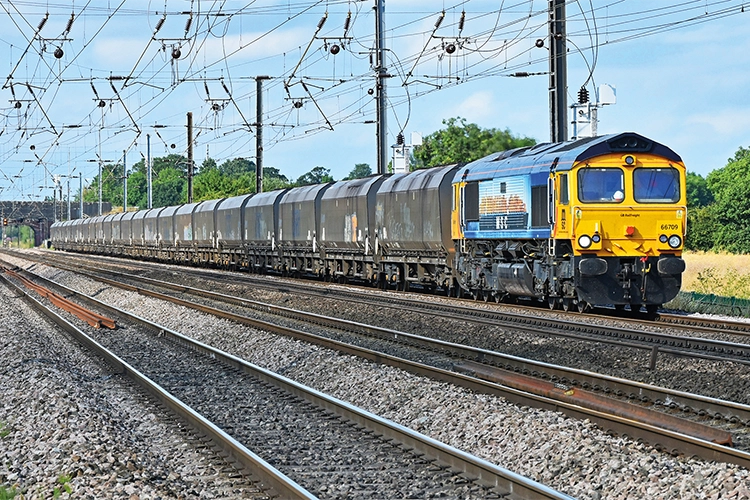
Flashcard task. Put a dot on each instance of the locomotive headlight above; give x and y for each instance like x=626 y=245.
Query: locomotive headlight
x=584 y=241
x=663 y=238
x=596 y=238
x=675 y=241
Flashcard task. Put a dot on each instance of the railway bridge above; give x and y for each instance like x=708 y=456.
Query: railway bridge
x=39 y=215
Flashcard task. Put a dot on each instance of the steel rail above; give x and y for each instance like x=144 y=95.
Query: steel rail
x=656 y=343
x=673 y=442
x=259 y=468
x=90 y=317
x=581 y=378
x=484 y=472
x=724 y=326
x=696 y=323
x=727 y=410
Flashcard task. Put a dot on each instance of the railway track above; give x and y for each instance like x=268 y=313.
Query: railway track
x=496 y=367
x=633 y=333
x=311 y=441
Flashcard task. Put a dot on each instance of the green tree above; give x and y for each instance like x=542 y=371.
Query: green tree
x=137 y=189
x=112 y=185
x=359 y=171
x=317 y=175
x=237 y=167
x=698 y=194
x=461 y=142
x=702 y=228
x=207 y=164
x=730 y=188
x=169 y=187
x=274 y=179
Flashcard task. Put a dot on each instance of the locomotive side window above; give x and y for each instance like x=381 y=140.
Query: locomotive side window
x=471 y=201
x=564 y=196
x=656 y=185
x=597 y=185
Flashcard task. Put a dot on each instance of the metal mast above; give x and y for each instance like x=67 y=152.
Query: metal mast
x=381 y=97
x=149 y=189
x=558 y=75
x=259 y=133
x=124 y=181
x=190 y=157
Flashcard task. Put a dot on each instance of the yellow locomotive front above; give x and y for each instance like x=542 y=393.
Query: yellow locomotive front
x=624 y=215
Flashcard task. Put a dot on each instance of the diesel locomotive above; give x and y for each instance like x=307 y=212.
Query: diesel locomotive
x=595 y=221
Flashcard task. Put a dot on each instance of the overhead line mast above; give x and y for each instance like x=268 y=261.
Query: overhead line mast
x=558 y=73
x=381 y=96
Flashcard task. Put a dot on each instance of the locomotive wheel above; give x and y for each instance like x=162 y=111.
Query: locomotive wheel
x=581 y=305
x=487 y=296
x=566 y=303
x=552 y=303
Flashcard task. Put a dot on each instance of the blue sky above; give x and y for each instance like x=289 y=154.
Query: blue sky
x=681 y=70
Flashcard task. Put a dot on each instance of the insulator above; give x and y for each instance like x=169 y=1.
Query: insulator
x=58 y=53
x=297 y=104
x=322 y=20
x=17 y=105
x=159 y=24
x=69 y=26
x=462 y=20
x=102 y=103
x=347 y=21
x=400 y=138
x=583 y=95
x=440 y=20
x=188 y=23
x=42 y=22
x=226 y=89
x=205 y=86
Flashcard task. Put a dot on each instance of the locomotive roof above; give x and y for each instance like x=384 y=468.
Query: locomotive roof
x=539 y=159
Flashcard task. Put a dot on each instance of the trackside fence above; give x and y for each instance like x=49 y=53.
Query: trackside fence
x=710 y=304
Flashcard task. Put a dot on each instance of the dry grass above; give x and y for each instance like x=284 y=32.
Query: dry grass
x=717 y=273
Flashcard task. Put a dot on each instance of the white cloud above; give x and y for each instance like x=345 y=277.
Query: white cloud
x=726 y=122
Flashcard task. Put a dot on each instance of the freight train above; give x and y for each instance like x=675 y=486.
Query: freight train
x=595 y=221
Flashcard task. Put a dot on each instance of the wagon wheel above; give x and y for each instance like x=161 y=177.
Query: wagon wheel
x=552 y=302
x=566 y=303
x=582 y=305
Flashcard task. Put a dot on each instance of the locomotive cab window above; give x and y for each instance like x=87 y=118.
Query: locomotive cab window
x=601 y=185
x=656 y=185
